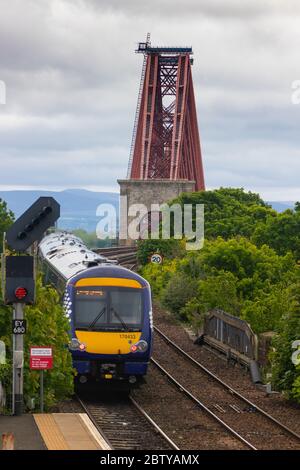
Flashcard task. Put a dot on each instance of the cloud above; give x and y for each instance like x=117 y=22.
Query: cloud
x=72 y=80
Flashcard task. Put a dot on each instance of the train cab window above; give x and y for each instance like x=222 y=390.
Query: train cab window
x=111 y=308
x=91 y=308
x=126 y=304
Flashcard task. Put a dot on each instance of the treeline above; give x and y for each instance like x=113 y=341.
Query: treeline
x=90 y=239
x=247 y=267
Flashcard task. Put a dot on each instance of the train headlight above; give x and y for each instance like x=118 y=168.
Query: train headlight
x=140 y=346
x=76 y=345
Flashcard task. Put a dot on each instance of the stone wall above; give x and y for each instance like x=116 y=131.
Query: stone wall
x=148 y=192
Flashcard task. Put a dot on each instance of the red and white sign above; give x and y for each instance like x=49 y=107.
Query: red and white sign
x=41 y=357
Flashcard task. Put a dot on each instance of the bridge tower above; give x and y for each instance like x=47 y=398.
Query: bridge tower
x=165 y=155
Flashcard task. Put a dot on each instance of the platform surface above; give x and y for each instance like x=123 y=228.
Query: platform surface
x=69 y=431
x=25 y=430
x=56 y=431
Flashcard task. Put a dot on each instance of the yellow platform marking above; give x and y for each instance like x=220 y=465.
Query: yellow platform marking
x=51 y=434
x=108 y=342
x=108 y=281
x=69 y=431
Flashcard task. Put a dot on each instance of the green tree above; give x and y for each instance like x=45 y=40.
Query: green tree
x=282 y=233
x=228 y=212
x=179 y=290
x=266 y=311
x=219 y=291
x=158 y=275
x=6 y=219
x=285 y=374
x=255 y=268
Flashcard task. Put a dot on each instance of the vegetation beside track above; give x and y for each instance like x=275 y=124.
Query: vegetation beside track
x=247 y=267
x=46 y=326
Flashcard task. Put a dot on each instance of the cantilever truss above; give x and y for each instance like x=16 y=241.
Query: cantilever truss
x=166 y=140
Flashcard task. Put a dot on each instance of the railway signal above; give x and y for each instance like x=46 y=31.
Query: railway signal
x=19 y=279
x=32 y=225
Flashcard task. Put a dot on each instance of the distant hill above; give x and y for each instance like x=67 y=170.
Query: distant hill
x=78 y=206
x=281 y=206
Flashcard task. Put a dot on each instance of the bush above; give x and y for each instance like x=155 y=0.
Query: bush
x=285 y=374
x=179 y=290
x=158 y=275
x=167 y=248
x=46 y=325
x=219 y=291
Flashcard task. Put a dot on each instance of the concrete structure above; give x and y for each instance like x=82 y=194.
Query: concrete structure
x=147 y=192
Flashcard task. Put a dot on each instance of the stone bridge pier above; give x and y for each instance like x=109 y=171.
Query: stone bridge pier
x=147 y=192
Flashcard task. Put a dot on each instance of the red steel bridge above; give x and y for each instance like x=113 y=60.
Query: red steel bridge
x=166 y=143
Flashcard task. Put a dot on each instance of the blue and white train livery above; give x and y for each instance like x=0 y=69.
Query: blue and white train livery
x=108 y=306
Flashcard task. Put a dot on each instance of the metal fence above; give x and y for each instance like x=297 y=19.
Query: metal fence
x=230 y=334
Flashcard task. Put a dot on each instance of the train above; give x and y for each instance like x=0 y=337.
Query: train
x=108 y=307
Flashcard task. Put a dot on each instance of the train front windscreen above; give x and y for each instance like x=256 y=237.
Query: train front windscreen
x=108 y=309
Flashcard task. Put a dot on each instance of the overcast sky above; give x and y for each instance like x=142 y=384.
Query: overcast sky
x=72 y=80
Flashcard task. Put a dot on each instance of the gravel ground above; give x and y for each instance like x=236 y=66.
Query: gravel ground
x=183 y=421
x=187 y=425
x=236 y=376
x=68 y=406
x=253 y=426
x=120 y=421
x=124 y=426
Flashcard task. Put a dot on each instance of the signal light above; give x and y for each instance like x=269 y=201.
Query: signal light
x=47 y=210
x=22 y=235
x=34 y=222
x=20 y=293
x=133 y=348
x=82 y=346
x=28 y=228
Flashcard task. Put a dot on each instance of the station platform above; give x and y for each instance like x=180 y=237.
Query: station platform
x=55 y=431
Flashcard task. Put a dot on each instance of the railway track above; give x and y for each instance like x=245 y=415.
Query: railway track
x=126 y=256
x=256 y=428
x=124 y=424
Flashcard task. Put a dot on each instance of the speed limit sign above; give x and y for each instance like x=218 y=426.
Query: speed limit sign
x=156 y=258
x=18 y=327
